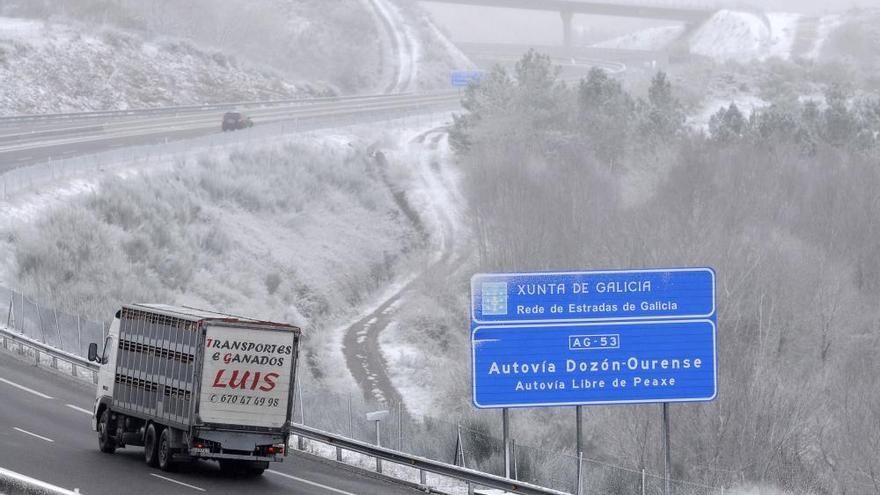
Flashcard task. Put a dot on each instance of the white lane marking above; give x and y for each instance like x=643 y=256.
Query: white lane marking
x=34 y=482
x=22 y=387
x=41 y=437
x=178 y=482
x=319 y=485
x=77 y=408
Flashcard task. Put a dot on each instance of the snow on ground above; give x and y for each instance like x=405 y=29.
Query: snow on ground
x=827 y=25
x=783 y=30
x=49 y=67
x=405 y=43
x=727 y=35
x=434 y=190
x=648 y=39
x=744 y=102
x=731 y=35
x=406 y=368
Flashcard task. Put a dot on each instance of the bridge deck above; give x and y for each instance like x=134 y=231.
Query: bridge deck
x=595 y=8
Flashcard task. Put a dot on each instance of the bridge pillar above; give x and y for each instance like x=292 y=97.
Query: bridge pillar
x=567 y=17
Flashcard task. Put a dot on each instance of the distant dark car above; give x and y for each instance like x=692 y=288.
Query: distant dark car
x=235 y=120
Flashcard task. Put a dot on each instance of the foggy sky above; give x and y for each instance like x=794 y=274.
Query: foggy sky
x=485 y=25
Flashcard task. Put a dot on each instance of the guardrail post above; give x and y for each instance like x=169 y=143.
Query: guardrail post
x=643 y=482
x=470 y=488
x=36 y=357
x=58 y=328
x=339 y=454
x=423 y=478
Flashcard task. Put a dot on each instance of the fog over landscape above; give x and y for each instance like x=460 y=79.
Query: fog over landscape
x=467 y=224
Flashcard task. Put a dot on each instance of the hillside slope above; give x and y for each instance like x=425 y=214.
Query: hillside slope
x=348 y=45
x=48 y=67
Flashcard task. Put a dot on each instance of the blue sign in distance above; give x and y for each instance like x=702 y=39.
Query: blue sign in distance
x=461 y=78
x=599 y=337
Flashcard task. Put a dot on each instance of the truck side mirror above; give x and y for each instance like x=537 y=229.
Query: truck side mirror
x=93 y=352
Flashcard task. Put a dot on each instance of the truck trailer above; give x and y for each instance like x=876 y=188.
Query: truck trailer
x=191 y=384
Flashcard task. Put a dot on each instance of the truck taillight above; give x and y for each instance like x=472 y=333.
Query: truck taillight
x=200 y=445
x=275 y=449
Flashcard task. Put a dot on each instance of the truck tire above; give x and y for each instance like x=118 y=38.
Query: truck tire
x=255 y=471
x=164 y=454
x=151 y=450
x=106 y=442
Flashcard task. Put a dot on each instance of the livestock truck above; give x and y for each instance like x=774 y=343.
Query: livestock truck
x=191 y=384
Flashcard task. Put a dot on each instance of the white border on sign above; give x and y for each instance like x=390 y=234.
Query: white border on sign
x=478 y=276
x=596 y=403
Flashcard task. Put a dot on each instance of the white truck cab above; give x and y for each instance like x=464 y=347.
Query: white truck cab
x=107 y=371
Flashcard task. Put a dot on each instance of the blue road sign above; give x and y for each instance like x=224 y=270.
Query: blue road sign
x=461 y=78
x=593 y=296
x=597 y=337
x=593 y=363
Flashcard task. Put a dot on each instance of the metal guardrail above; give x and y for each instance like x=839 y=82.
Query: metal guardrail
x=12 y=483
x=191 y=108
x=77 y=364
x=471 y=477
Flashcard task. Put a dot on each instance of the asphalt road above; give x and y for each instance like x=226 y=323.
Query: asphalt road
x=45 y=434
x=26 y=143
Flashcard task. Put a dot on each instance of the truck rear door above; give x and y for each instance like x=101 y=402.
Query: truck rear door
x=247 y=376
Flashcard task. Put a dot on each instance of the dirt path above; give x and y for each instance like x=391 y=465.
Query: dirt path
x=361 y=341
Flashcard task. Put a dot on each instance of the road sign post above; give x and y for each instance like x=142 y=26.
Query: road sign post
x=505 y=433
x=666 y=453
x=596 y=337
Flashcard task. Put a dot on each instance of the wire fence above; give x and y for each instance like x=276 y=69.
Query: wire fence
x=471 y=444
x=63 y=331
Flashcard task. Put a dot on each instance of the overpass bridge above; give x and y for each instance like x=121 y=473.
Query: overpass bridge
x=568 y=8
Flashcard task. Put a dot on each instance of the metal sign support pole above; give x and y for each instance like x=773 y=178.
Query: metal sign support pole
x=666 y=456
x=579 y=416
x=580 y=477
x=505 y=426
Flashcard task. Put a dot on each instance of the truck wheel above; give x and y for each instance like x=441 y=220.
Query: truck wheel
x=255 y=471
x=106 y=443
x=151 y=452
x=164 y=454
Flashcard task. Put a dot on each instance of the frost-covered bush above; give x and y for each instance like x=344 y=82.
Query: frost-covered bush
x=295 y=232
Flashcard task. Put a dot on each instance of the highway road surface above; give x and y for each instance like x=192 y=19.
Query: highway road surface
x=45 y=434
x=27 y=142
